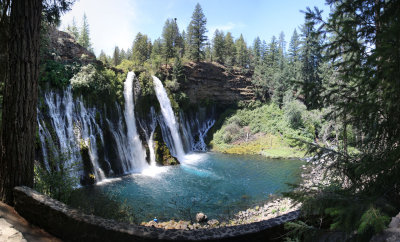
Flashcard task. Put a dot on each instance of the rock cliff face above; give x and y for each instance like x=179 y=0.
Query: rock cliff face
x=212 y=81
x=63 y=47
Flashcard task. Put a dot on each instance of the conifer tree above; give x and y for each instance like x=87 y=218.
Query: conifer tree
x=141 y=49
x=196 y=34
x=256 y=51
x=103 y=57
x=73 y=29
x=230 y=50
x=219 y=46
x=242 y=57
x=172 y=40
x=311 y=58
x=84 y=38
x=116 y=60
x=365 y=189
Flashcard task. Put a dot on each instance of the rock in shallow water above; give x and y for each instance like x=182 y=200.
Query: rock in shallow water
x=201 y=217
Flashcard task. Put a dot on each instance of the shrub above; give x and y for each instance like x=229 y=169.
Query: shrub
x=60 y=181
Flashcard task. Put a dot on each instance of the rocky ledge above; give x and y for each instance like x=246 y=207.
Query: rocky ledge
x=211 y=81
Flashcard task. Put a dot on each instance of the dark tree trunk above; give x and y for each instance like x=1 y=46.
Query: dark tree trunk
x=20 y=98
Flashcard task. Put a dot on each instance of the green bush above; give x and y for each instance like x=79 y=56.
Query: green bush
x=60 y=181
x=57 y=74
x=99 y=82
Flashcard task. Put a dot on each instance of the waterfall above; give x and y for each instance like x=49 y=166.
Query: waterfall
x=88 y=131
x=195 y=130
x=72 y=124
x=148 y=129
x=137 y=154
x=169 y=118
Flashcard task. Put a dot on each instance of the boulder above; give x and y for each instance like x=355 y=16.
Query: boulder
x=201 y=217
x=213 y=223
x=391 y=234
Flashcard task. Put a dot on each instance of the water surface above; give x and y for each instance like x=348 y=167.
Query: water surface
x=216 y=184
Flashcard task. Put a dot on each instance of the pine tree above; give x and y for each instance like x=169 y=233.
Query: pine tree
x=172 y=41
x=141 y=49
x=256 y=51
x=73 y=29
x=311 y=58
x=116 y=60
x=294 y=47
x=103 y=57
x=219 y=46
x=230 y=50
x=242 y=56
x=365 y=95
x=84 y=38
x=196 y=34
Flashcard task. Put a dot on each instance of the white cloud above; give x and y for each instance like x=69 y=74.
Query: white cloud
x=224 y=27
x=111 y=23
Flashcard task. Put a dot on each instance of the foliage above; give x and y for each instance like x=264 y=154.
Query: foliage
x=363 y=95
x=99 y=81
x=84 y=38
x=265 y=130
x=172 y=42
x=60 y=181
x=57 y=74
x=141 y=49
x=219 y=46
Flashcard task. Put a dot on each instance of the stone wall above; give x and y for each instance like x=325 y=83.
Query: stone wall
x=72 y=225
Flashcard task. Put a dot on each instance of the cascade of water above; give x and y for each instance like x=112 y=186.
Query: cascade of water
x=61 y=114
x=89 y=130
x=149 y=132
x=44 y=135
x=195 y=130
x=169 y=118
x=137 y=154
x=121 y=140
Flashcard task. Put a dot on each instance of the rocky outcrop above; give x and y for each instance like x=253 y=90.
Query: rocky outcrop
x=63 y=47
x=391 y=234
x=207 y=81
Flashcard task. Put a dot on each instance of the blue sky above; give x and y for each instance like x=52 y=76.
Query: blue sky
x=116 y=22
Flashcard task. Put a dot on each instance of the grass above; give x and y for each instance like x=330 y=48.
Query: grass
x=267 y=145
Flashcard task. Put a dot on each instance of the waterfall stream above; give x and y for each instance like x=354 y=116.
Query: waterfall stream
x=137 y=154
x=66 y=124
x=169 y=119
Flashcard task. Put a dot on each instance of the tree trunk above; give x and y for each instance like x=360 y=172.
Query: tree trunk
x=20 y=98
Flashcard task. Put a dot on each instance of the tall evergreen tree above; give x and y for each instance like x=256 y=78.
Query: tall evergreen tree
x=172 y=40
x=84 y=38
x=21 y=20
x=294 y=47
x=116 y=59
x=230 y=50
x=141 y=49
x=256 y=51
x=196 y=34
x=242 y=55
x=311 y=58
x=365 y=190
x=219 y=46
x=103 y=57
x=73 y=29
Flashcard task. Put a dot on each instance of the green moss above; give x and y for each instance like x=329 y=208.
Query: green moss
x=163 y=155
